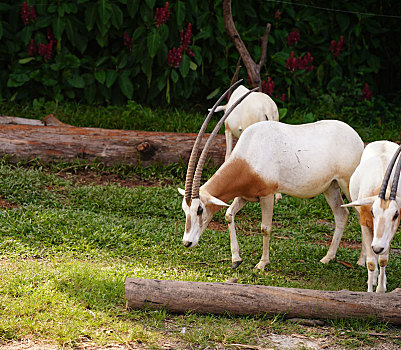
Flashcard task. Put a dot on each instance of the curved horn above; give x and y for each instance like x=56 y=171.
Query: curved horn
x=382 y=193
x=394 y=186
x=202 y=158
x=195 y=148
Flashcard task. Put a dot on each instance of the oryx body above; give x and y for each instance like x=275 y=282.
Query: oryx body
x=379 y=211
x=299 y=160
x=257 y=107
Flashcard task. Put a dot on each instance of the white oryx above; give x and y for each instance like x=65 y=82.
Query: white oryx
x=255 y=108
x=379 y=211
x=299 y=160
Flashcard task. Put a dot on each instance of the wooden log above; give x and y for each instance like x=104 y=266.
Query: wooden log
x=244 y=299
x=68 y=143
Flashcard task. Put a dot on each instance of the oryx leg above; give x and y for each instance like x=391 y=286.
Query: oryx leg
x=344 y=185
x=234 y=208
x=371 y=257
x=381 y=283
x=266 y=204
x=229 y=142
x=333 y=197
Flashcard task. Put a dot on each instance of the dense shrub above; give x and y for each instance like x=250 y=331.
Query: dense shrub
x=108 y=51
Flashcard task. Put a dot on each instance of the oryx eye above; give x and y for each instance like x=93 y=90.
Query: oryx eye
x=200 y=211
x=396 y=215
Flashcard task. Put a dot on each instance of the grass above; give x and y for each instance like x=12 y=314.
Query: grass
x=66 y=248
x=371 y=122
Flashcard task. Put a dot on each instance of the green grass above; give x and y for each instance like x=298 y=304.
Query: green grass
x=66 y=249
x=363 y=118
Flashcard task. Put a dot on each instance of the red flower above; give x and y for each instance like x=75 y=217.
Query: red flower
x=46 y=50
x=174 y=57
x=32 y=48
x=366 y=94
x=277 y=15
x=268 y=86
x=304 y=62
x=282 y=97
x=293 y=37
x=50 y=36
x=185 y=36
x=127 y=41
x=335 y=47
x=291 y=62
x=28 y=14
x=162 y=14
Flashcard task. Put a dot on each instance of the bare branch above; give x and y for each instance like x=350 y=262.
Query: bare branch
x=264 y=39
x=239 y=44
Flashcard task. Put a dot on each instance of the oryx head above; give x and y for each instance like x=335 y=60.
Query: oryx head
x=385 y=212
x=198 y=206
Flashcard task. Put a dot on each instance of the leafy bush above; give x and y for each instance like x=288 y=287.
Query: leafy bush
x=157 y=52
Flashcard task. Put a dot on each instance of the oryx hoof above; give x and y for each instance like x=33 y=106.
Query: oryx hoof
x=236 y=264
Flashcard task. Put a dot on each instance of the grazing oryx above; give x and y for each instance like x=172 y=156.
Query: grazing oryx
x=379 y=217
x=299 y=160
x=255 y=108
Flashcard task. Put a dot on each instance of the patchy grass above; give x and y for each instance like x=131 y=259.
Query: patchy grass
x=67 y=245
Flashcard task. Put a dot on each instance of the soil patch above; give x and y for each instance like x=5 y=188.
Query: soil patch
x=6 y=204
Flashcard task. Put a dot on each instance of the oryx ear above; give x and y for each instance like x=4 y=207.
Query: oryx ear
x=216 y=201
x=360 y=202
x=182 y=192
x=218 y=109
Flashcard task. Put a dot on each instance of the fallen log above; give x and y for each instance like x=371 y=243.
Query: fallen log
x=244 y=299
x=51 y=140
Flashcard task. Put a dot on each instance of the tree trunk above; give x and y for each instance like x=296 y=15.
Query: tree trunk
x=242 y=299
x=22 y=140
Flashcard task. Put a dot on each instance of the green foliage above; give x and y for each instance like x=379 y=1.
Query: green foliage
x=110 y=51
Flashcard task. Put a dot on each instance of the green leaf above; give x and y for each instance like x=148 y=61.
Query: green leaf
x=26 y=60
x=100 y=76
x=104 y=11
x=184 y=65
x=125 y=85
x=123 y=61
x=71 y=31
x=147 y=69
x=111 y=77
x=193 y=65
x=116 y=16
x=4 y=7
x=138 y=33
x=213 y=94
x=174 y=76
x=282 y=113
x=1 y=30
x=90 y=16
x=132 y=7
x=58 y=27
x=76 y=81
x=153 y=41
x=16 y=79
x=150 y=3
x=26 y=34
x=180 y=13
x=320 y=74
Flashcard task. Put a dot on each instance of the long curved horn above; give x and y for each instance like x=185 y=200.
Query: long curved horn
x=394 y=186
x=202 y=158
x=195 y=148
x=383 y=189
